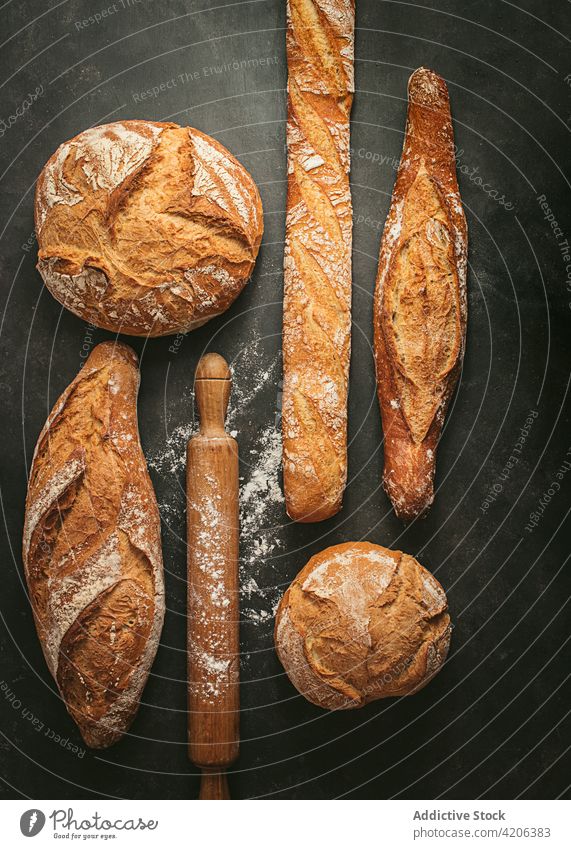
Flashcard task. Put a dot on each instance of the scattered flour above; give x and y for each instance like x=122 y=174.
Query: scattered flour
x=172 y=458
x=261 y=515
x=261 y=498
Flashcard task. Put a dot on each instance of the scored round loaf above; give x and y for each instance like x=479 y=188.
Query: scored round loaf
x=361 y=622
x=146 y=228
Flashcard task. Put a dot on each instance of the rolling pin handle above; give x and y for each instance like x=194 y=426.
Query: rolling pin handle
x=213 y=382
x=213 y=784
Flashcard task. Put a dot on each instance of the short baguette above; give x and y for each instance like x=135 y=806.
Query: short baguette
x=420 y=300
x=317 y=266
x=92 y=552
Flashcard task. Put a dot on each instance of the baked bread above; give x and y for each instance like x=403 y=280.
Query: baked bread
x=317 y=263
x=92 y=548
x=359 y=623
x=420 y=298
x=146 y=228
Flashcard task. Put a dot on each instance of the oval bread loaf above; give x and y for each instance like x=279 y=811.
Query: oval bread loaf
x=146 y=228
x=420 y=303
x=92 y=549
x=361 y=622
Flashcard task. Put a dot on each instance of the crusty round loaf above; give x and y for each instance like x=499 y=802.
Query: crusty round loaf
x=361 y=622
x=146 y=228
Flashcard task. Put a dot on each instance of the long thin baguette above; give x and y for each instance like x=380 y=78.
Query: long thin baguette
x=92 y=550
x=420 y=299
x=317 y=265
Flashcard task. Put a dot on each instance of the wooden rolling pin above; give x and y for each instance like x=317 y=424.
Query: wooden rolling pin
x=213 y=609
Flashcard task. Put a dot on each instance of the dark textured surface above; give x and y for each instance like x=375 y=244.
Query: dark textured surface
x=495 y=721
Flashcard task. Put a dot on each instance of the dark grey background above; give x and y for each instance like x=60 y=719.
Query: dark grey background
x=495 y=722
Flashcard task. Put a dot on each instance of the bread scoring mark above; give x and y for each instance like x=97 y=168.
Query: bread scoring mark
x=54 y=188
x=361 y=622
x=131 y=519
x=318 y=205
x=322 y=430
x=313 y=128
x=111 y=153
x=421 y=315
x=433 y=596
x=99 y=661
x=353 y=593
x=290 y=646
x=200 y=279
x=48 y=497
x=210 y=161
x=320 y=291
x=70 y=594
x=75 y=291
x=312 y=31
x=108 y=155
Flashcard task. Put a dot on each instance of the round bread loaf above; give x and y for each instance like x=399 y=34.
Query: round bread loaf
x=359 y=623
x=146 y=228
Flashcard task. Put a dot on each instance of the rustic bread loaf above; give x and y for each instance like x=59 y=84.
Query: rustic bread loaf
x=146 y=228
x=92 y=548
x=420 y=298
x=359 y=623
x=317 y=264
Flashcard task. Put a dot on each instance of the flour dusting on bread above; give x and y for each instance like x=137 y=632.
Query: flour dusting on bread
x=92 y=552
x=146 y=228
x=361 y=622
x=420 y=302
x=107 y=155
x=317 y=257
